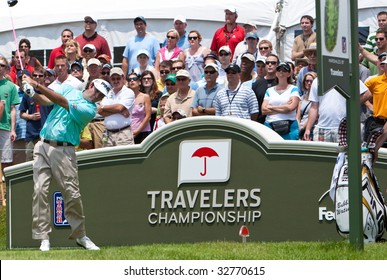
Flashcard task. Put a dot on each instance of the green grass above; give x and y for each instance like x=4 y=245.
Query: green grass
x=204 y=251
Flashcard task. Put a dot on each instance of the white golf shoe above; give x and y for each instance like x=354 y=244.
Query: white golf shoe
x=86 y=243
x=45 y=245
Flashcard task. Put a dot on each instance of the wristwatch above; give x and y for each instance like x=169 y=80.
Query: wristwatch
x=203 y=109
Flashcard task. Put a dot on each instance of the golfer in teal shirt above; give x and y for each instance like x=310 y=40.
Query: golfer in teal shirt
x=54 y=156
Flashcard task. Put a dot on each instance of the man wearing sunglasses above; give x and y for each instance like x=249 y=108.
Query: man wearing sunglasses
x=117 y=108
x=260 y=85
x=237 y=99
x=203 y=102
x=90 y=36
x=371 y=58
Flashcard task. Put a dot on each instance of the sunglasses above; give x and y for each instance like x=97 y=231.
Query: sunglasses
x=192 y=38
x=177 y=68
x=146 y=78
x=164 y=72
x=3 y=65
x=271 y=62
x=170 y=84
x=263 y=48
x=88 y=50
x=379 y=39
x=181 y=79
x=75 y=70
x=171 y=37
x=223 y=54
x=231 y=72
x=89 y=22
x=37 y=75
x=309 y=81
x=104 y=73
x=283 y=70
x=209 y=72
x=132 y=79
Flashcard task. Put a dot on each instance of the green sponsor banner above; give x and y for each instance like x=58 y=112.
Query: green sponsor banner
x=197 y=179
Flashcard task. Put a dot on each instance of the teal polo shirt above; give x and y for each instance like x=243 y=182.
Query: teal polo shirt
x=66 y=126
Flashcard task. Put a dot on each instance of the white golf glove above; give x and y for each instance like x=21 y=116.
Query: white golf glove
x=28 y=89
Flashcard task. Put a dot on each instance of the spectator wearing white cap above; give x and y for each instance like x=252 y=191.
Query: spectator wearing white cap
x=94 y=70
x=63 y=77
x=180 y=24
x=117 y=107
x=143 y=57
x=203 y=102
x=90 y=36
x=230 y=34
x=142 y=40
x=247 y=74
x=194 y=55
x=182 y=98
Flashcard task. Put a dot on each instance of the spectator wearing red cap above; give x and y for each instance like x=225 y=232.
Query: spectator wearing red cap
x=230 y=34
x=90 y=36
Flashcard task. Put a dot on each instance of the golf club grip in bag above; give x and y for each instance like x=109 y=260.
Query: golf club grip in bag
x=374 y=208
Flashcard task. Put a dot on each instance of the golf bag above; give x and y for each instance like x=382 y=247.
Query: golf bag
x=373 y=204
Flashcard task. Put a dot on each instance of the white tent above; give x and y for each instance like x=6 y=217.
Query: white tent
x=41 y=21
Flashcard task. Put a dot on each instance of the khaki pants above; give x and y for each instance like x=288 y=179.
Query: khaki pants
x=60 y=163
x=120 y=138
x=96 y=130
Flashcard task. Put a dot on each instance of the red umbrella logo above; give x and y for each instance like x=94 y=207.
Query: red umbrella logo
x=205 y=152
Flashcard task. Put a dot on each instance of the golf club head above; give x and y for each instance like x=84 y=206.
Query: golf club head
x=11 y=3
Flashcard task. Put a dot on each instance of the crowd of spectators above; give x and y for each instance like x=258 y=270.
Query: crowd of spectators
x=238 y=75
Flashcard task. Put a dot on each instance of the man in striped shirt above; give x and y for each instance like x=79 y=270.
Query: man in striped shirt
x=236 y=99
x=371 y=43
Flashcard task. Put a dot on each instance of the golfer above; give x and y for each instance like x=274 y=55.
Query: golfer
x=54 y=155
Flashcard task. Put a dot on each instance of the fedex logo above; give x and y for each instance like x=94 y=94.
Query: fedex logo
x=203 y=161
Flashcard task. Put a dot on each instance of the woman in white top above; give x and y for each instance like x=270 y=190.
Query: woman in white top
x=304 y=105
x=171 y=51
x=194 y=56
x=280 y=105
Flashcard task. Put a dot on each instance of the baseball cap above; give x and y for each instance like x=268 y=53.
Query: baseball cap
x=225 y=49
x=93 y=61
x=249 y=56
x=180 y=18
x=233 y=67
x=89 y=18
x=50 y=72
x=383 y=54
x=182 y=73
x=213 y=56
x=284 y=66
x=107 y=65
x=384 y=61
x=171 y=77
x=102 y=85
x=116 y=71
x=76 y=63
x=20 y=73
x=213 y=65
x=260 y=59
x=253 y=35
x=140 y=18
x=105 y=57
x=181 y=112
x=312 y=48
x=143 y=51
x=89 y=46
x=231 y=9
x=251 y=24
